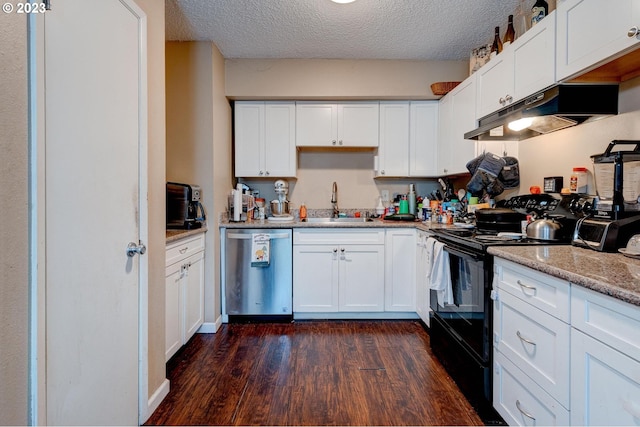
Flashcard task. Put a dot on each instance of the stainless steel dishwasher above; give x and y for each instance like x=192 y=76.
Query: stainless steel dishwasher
x=253 y=290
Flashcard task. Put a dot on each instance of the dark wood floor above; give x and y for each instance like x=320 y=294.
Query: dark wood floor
x=312 y=373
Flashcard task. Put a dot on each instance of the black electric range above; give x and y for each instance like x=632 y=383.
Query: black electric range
x=461 y=331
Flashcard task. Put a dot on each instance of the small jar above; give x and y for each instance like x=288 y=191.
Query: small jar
x=578 y=181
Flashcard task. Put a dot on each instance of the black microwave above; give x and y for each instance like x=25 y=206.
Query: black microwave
x=184 y=210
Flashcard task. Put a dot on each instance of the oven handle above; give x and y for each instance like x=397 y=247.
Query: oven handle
x=462 y=253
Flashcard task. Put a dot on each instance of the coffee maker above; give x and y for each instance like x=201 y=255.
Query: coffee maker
x=184 y=210
x=615 y=216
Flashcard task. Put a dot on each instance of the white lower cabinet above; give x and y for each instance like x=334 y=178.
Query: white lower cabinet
x=422 y=280
x=605 y=360
x=338 y=270
x=184 y=292
x=563 y=354
x=400 y=270
x=520 y=401
x=531 y=346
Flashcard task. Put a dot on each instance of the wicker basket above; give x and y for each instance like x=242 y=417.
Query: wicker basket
x=443 y=88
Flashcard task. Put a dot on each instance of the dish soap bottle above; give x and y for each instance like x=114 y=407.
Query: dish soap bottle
x=303 y=212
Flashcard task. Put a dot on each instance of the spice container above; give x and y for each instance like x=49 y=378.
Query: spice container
x=578 y=181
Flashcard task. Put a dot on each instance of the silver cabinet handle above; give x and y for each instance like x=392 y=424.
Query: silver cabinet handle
x=633 y=32
x=333 y=142
x=382 y=172
x=524 y=339
x=260 y=173
x=340 y=142
x=267 y=173
x=523 y=412
x=508 y=98
x=133 y=249
x=502 y=101
x=533 y=288
x=342 y=250
x=335 y=250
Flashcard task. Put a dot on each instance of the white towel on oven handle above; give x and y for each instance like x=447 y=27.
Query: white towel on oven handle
x=440 y=279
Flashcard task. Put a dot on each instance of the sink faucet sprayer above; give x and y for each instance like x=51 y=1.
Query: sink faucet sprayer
x=334 y=199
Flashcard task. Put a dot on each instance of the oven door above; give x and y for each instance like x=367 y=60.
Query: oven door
x=467 y=318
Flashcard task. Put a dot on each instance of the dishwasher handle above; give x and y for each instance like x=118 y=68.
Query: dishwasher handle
x=241 y=236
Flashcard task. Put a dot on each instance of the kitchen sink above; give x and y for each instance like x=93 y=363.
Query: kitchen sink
x=337 y=220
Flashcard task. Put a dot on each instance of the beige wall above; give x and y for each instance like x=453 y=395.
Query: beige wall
x=557 y=153
x=222 y=161
x=14 y=249
x=199 y=141
x=156 y=188
x=338 y=78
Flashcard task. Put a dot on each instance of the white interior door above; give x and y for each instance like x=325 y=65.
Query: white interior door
x=95 y=109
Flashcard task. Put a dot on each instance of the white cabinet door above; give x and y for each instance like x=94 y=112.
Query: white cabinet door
x=193 y=282
x=400 y=270
x=316 y=124
x=495 y=83
x=265 y=139
x=315 y=278
x=351 y=124
x=279 y=142
x=422 y=283
x=172 y=316
x=423 y=139
x=445 y=134
x=393 y=151
x=605 y=384
x=358 y=124
x=589 y=32
x=249 y=122
x=463 y=119
x=534 y=59
x=361 y=278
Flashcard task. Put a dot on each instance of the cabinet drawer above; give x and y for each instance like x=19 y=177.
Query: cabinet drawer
x=545 y=292
x=536 y=342
x=521 y=401
x=342 y=236
x=613 y=322
x=184 y=248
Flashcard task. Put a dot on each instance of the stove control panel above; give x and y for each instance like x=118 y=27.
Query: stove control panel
x=538 y=203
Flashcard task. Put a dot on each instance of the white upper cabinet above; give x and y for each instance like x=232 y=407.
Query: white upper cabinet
x=408 y=139
x=457 y=116
x=521 y=69
x=347 y=124
x=265 y=139
x=590 y=32
x=423 y=138
x=393 y=151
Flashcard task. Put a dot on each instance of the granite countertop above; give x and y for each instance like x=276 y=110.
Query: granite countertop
x=173 y=235
x=611 y=274
x=375 y=223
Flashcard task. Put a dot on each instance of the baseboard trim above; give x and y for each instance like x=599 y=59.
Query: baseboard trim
x=210 y=327
x=156 y=398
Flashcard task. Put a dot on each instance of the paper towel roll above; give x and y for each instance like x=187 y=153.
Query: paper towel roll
x=237 y=204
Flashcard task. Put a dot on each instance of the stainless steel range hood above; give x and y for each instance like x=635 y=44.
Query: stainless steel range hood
x=556 y=108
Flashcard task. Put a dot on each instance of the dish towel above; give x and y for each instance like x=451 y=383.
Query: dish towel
x=260 y=249
x=429 y=245
x=440 y=279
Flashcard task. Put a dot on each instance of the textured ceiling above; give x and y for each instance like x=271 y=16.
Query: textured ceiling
x=365 y=29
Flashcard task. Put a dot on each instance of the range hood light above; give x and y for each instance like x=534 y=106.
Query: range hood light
x=523 y=123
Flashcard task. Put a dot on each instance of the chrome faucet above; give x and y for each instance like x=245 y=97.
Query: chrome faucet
x=334 y=199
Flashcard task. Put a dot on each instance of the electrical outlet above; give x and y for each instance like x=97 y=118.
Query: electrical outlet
x=385 y=195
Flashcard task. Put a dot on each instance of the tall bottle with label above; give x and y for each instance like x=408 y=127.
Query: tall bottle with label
x=510 y=35
x=496 y=47
x=539 y=10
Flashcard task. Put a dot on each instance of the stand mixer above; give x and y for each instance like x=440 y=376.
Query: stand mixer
x=280 y=206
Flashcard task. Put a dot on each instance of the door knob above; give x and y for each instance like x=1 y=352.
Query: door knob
x=633 y=32
x=133 y=249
